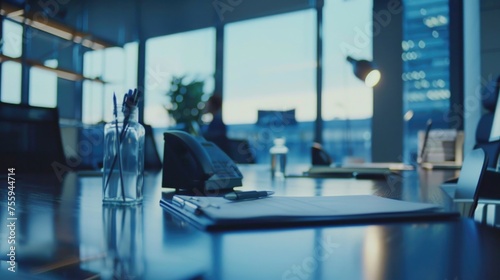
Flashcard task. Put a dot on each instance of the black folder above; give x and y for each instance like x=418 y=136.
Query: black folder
x=217 y=213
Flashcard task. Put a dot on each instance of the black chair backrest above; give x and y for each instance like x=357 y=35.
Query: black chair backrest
x=30 y=139
x=471 y=176
x=240 y=151
x=152 y=161
x=489 y=97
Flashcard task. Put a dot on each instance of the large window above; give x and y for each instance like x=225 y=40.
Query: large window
x=347 y=104
x=51 y=51
x=190 y=55
x=269 y=64
x=93 y=92
x=11 y=71
x=11 y=82
x=43 y=86
x=344 y=95
x=117 y=67
x=12 y=39
x=270 y=81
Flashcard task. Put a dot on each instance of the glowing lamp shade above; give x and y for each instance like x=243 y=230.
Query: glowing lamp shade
x=365 y=70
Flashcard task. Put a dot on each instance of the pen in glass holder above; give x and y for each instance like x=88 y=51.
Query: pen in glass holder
x=124 y=153
x=118 y=140
x=126 y=112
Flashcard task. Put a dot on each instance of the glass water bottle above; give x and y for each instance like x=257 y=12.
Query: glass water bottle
x=278 y=158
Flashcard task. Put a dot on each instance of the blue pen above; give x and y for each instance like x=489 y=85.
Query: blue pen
x=248 y=195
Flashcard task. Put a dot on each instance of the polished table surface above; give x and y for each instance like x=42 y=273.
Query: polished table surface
x=64 y=232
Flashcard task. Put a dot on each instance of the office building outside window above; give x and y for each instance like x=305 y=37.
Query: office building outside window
x=426 y=75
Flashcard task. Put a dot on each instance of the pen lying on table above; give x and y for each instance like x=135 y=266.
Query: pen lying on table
x=247 y=195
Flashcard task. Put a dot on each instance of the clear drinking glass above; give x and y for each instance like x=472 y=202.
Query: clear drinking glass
x=123 y=171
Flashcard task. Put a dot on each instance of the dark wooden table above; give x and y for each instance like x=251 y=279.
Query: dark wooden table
x=64 y=232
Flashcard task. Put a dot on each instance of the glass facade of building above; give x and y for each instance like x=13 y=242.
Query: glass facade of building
x=426 y=73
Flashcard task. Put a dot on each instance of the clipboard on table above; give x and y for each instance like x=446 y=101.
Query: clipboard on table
x=217 y=213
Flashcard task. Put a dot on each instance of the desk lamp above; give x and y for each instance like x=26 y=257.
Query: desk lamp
x=365 y=70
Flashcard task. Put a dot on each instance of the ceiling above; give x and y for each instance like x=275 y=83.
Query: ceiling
x=122 y=21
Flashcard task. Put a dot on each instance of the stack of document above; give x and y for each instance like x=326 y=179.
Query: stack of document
x=216 y=213
x=441 y=149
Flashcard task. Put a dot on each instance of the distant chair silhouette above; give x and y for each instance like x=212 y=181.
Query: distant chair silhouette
x=31 y=139
x=276 y=118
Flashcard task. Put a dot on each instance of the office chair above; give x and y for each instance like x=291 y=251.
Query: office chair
x=478 y=185
x=470 y=180
x=240 y=151
x=489 y=97
x=152 y=161
x=319 y=156
x=30 y=139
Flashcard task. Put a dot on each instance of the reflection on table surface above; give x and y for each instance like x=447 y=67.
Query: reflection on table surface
x=64 y=232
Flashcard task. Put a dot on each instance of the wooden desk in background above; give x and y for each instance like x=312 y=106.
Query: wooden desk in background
x=64 y=232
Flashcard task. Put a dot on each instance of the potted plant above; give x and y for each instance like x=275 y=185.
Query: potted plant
x=186 y=102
